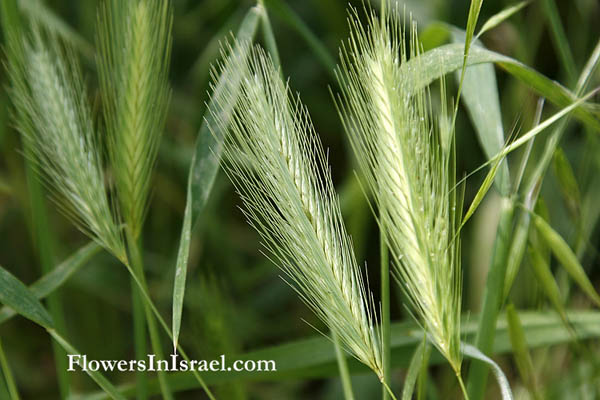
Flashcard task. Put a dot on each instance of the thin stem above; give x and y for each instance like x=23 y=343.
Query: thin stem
x=462 y=385
x=385 y=309
x=389 y=391
x=138 y=269
x=139 y=335
x=269 y=36
x=8 y=376
x=343 y=368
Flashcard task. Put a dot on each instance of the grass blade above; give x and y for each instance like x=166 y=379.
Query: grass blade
x=14 y=294
x=95 y=375
x=560 y=39
x=567 y=184
x=206 y=159
x=417 y=362
x=181 y=269
x=473 y=352
x=268 y=35
x=57 y=277
x=448 y=58
x=502 y=16
x=567 y=258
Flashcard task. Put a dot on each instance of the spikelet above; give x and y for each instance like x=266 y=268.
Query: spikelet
x=52 y=113
x=134 y=45
x=279 y=168
x=407 y=163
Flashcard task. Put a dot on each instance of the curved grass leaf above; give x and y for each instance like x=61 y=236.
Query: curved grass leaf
x=315 y=357
x=14 y=294
x=205 y=162
x=445 y=59
x=417 y=363
x=57 y=277
x=473 y=352
x=566 y=256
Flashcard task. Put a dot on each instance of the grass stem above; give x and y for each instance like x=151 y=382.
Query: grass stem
x=343 y=368
x=8 y=376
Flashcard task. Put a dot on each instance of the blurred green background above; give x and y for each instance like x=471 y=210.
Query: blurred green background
x=236 y=300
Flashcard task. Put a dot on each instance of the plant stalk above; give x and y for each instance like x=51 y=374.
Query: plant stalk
x=137 y=265
x=343 y=368
x=8 y=376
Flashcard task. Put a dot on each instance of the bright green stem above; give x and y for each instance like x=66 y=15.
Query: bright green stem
x=139 y=334
x=385 y=311
x=10 y=381
x=40 y=228
x=137 y=265
x=492 y=300
x=462 y=386
x=343 y=367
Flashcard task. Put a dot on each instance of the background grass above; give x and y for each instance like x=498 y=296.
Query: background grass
x=235 y=300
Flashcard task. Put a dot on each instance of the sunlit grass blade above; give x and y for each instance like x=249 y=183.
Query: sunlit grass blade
x=567 y=258
x=473 y=352
x=502 y=16
x=278 y=166
x=205 y=163
x=14 y=294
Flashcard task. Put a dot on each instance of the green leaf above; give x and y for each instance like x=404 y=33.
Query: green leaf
x=315 y=357
x=205 y=163
x=14 y=294
x=473 y=352
x=181 y=269
x=445 y=59
x=95 y=375
x=209 y=146
x=417 y=363
x=567 y=258
x=502 y=16
x=57 y=277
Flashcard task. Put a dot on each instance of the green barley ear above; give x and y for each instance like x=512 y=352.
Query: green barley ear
x=280 y=170
x=53 y=116
x=407 y=161
x=134 y=42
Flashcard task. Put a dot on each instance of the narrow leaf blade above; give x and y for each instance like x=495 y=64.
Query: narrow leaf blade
x=14 y=294
x=473 y=352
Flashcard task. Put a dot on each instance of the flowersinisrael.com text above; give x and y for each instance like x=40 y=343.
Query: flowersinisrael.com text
x=173 y=364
